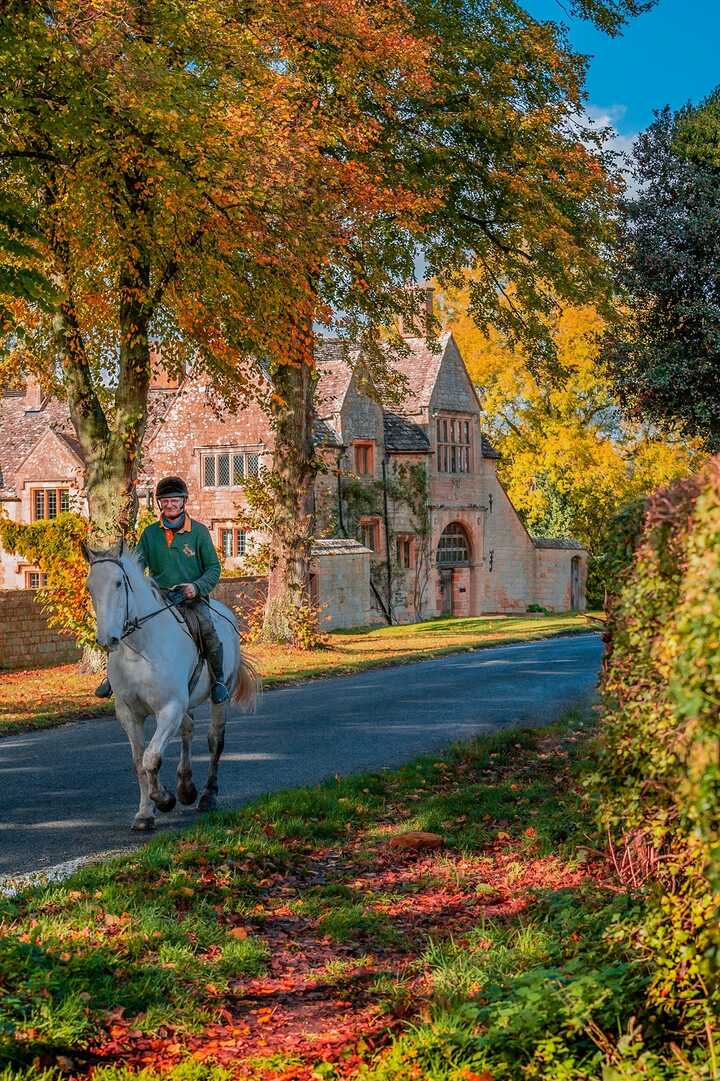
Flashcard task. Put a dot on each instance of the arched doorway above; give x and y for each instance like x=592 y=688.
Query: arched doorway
x=453 y=553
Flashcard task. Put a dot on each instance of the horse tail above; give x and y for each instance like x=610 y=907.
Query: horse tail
x=247 y=685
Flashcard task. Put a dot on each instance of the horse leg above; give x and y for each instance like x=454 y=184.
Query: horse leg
x=216 y=743
x=169 y=719
x=186 y=791
x=135 y=732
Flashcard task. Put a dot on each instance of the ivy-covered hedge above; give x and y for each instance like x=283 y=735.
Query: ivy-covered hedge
x=659 y=772
x=53 y=545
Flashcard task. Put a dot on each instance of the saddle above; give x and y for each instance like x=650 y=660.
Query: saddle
x=193 y=625
x=190 y=616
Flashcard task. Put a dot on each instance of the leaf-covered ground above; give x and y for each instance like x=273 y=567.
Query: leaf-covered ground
x=42 y=698
x=293 y=941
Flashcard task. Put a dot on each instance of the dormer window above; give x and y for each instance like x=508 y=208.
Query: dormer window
x=453 y=445
x=364 y=460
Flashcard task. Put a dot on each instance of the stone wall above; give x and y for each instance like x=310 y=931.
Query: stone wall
x=26 y=641
x=509 y=551
x=553 y=588
x=242 y=595
x=25 y=638
x=341 y=568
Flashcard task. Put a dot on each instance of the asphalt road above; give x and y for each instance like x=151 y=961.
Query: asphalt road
x=70 y=792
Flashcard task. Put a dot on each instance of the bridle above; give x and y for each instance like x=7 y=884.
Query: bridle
x=135 y=624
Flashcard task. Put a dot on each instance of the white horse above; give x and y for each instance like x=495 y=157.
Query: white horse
x=152 y=657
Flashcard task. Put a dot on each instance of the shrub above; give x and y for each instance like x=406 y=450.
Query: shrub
x=53 y=545
x=659 y=766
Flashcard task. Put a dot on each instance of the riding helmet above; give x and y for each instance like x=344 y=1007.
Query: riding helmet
x=171 y=486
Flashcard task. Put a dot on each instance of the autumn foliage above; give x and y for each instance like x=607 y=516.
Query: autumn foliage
x=211 y=182
x=658 y=777
x=54 y=547
x=572 y=460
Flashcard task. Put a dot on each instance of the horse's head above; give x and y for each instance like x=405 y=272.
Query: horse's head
x=107 y=583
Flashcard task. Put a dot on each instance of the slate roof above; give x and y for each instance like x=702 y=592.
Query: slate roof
x=324 y=436
x=488 y=450
x=557 y=542
x=420 y=367
x=334 y=375
x=338 y=546
x=403 y=435
x=72 y=441
x=21 y=430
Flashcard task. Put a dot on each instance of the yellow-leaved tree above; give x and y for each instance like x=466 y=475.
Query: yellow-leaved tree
x=571 y=459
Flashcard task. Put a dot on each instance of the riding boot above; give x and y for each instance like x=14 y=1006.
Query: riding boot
x=214 y=656
x=104 y=690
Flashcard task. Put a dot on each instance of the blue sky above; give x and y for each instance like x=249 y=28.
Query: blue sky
x=666 y=57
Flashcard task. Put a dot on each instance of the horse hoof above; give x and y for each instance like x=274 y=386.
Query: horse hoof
x=187 y=794
x=165 y=804
x=143 y=825
x=207 y=802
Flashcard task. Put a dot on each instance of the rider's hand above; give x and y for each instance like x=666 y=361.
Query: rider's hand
x=189 y=591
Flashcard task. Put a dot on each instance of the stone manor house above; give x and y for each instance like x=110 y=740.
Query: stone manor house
x=416 y=522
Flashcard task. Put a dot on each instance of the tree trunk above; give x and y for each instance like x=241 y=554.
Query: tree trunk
x=111 y=451
x=112 y=468
x=289 y=616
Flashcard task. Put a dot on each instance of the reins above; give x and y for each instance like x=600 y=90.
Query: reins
x=135 y=624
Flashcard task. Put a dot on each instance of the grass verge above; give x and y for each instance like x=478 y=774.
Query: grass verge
x=47 y=697
x=295 y=940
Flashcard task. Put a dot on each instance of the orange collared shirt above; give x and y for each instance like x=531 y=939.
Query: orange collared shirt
x=170 y=533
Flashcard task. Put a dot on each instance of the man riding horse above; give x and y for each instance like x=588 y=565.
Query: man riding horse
x=180 y=555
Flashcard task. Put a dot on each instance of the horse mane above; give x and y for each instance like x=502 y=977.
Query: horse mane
x=137 y=575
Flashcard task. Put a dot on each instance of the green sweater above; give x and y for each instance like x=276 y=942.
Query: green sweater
x=190 y=558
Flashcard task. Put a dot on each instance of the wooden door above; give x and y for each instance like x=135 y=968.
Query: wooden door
x=575 y=583
x=446 y=591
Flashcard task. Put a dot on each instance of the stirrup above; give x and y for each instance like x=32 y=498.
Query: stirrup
x=219 y=693
x=104 y=690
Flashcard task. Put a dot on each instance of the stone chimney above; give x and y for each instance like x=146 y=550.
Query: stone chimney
x=417 y=321
x=35 y=396
x=160 y=378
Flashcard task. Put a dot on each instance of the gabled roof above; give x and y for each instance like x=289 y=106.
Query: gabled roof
x=20 y=431
x=65 y=439
x=420 y=366
x=72 y=441
x=324 y=436
x=335 y=374
x=404 y=436
x=488 y=450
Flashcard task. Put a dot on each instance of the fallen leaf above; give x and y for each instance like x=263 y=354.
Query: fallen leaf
x=415 y=840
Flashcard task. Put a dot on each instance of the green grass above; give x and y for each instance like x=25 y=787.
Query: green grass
x=47 y=697
x=501 y=955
